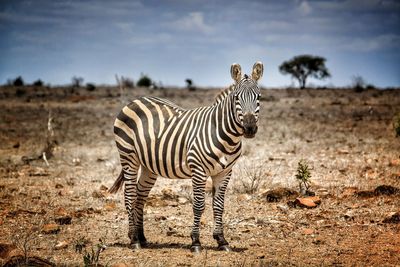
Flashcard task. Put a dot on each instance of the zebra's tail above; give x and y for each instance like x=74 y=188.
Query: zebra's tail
x=117 y=184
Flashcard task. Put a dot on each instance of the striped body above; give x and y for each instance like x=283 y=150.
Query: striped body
x=169 y=137
x=162 y=139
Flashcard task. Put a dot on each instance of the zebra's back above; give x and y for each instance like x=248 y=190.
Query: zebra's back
x=156 y=130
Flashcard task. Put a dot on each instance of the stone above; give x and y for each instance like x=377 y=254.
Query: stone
x=109 y=206
x=61 y=245
x=51 y=228
x=306 y=202
x=307 y=231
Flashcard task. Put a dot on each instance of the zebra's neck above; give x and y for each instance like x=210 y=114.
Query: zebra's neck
x=225 y=112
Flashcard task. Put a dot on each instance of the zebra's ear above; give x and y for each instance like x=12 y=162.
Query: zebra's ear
x=236 y=72
x=258 y=70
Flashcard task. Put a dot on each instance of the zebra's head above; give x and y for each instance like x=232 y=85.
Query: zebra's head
x=247 y=98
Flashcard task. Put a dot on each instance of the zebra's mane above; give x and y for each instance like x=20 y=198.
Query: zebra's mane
x=223 y=94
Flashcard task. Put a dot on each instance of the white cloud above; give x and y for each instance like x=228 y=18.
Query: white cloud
x=193 y=22
x=375 y=43
x=304 y=8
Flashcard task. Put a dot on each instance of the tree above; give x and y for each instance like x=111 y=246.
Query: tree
x=304 y=66
x=144 y=81
x=189 y=85
x=18 y=81
x=77 y=81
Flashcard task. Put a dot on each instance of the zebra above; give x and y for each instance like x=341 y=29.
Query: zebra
x=162 y=139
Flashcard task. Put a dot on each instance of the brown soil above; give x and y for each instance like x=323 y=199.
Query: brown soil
x=347 y=138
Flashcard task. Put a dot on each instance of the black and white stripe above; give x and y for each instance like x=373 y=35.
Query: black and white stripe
x=159 y=138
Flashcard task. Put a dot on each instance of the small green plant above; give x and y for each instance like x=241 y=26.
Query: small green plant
x=303 y=176
x=396 y=124
x=91 y=256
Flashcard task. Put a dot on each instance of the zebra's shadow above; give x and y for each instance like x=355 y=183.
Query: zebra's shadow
x=156 y=245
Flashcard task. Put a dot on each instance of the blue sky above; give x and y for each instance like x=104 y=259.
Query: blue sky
x=173 y=40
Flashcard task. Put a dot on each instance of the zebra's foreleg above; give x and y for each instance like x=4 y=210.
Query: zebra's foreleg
x=219 y=187
x=199 y=182
x=144 y=185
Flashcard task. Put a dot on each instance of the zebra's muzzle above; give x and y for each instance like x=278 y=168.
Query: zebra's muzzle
x=249 y=126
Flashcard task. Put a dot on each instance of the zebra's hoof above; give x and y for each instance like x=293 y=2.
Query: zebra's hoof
x=195 y=249
x=225 y=248
x=144 y=244
x=136 y=246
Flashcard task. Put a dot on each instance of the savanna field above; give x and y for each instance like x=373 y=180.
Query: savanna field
x=58 y=159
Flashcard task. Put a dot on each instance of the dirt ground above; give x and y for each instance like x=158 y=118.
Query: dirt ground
x=58 y=211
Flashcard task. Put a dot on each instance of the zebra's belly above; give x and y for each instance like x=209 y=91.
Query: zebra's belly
x=224 y=163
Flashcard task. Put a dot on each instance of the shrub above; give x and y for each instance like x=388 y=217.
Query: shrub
x=303 y=176
x=251 y=178
x=358 y=83
x=144 y=81
x=18 y=81
x=90 y=87
x=38 y=82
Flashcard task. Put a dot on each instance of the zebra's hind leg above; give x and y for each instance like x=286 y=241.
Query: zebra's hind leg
x=219 y=187
x=130 y=168
x=145 y=184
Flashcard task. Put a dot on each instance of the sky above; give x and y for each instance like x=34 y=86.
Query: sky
x=174 y=40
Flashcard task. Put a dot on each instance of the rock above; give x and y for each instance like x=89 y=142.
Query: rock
x=394 y=162
x=342 y=151
x=349 y=191
x=59 y=186
x=51 y=228
x=393 y=218
x=60 y=212
x=109 y=206
x=62 y=216
x=307 y=231
x=308 y=202
x=278 y=194
x=61 y=245
x=119 y=264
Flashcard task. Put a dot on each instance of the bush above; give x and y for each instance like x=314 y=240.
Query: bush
x=144 y=81
x=90 y=87
x=358 y=83
x=18 y=81
x=303 y=176
x=38 y=83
